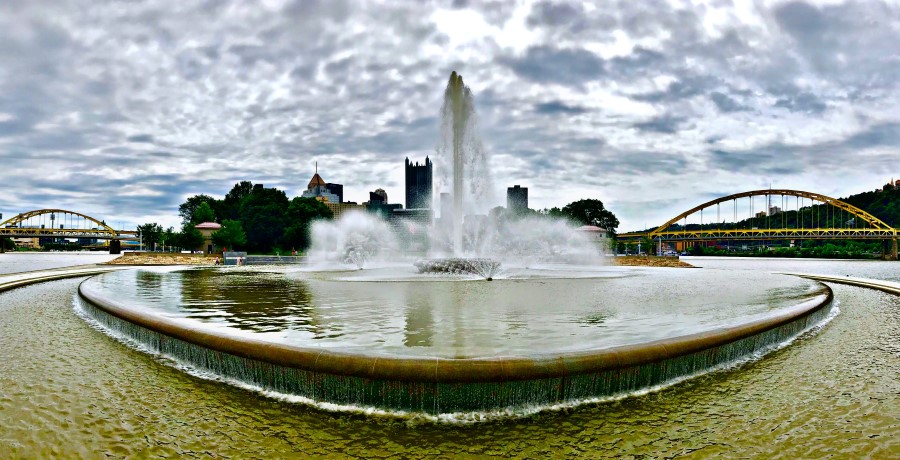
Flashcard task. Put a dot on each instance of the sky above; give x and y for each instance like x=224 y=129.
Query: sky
x=122 y=109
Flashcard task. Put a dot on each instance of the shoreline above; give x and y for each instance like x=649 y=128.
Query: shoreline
x=650 y=261
x=163 y=258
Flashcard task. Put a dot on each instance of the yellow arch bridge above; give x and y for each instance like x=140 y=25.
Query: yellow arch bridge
x=61 y=223
x=794 y=215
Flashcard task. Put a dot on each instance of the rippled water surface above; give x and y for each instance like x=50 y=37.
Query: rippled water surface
x=456 y=318
x=67 y=390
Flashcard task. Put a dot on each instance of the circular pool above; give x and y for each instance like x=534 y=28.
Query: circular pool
x=394 y=340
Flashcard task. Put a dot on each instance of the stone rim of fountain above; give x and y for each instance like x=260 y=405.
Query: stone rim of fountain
x=343 y=362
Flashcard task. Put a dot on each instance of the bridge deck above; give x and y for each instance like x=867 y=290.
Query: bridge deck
x=765 y=234
x=99 y=234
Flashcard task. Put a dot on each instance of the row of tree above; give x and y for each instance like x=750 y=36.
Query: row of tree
x=586 y=212
x=253 y=217
x=809 y=249
x=264 y=220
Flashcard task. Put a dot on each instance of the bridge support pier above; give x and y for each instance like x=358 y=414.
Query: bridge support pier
x=115 y=247
x=893 y=249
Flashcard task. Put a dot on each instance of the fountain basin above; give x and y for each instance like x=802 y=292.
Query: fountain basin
x=485 y=268
x=434 y=384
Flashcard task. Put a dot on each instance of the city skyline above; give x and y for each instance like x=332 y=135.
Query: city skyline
x=121 y=111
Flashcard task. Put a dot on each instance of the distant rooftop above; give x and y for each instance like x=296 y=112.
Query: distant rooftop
x=590 y=228
x=316 y=181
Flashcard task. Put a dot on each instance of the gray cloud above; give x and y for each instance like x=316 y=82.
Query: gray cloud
x=665 y=124
x=853 y=42
x=726 y=103
x=548 y=64
x=639 y=62
x=570 y=16
x=557 y=107
x=680 y=89
x=141 y=138
x=131 y=96
x=780 y=158
x=802 y=102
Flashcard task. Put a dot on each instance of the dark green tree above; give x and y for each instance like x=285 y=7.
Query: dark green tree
x=552 y=212
x=300 y=215
x=648 y=246
x=168 y=237
x=231 y=205
x=263 y=215
x=149 y=235
x=189 y=238
x=186 y=210
x=203 y=213
x=591 y=212
x=230 y=236
x=8 y=244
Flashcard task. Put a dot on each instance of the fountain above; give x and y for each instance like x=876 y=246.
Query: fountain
x=468 y=241
x=486 y=268
x=366 y=328
x=458 y=125
x=357 y=240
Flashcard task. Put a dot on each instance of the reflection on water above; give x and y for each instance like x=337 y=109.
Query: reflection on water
x=419 y=327
x=457 y=318
x=251 y=301
x=150 y=283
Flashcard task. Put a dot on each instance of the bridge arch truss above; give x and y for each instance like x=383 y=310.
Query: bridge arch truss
x=71 y=225
x=807 y=224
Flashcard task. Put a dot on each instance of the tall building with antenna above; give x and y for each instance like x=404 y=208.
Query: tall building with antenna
x=328 y=193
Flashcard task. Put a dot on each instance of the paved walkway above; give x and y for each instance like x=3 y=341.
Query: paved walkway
x=881 y=285
x=14 y=280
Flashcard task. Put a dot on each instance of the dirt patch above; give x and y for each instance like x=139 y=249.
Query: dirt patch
x=651 y=261
x=163 y=258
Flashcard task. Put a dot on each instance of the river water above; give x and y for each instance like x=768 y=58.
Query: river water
x=13 y=262
x=67 y=390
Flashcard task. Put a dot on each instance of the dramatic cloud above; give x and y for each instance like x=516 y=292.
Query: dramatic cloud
x=725 y=103
x=666 y=124
x=123 y=109
x=555 y=107
x=547 y=64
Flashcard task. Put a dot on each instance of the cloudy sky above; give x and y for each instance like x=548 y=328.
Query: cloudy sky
x=122 y=109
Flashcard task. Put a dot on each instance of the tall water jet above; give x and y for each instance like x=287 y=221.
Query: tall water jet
x=456 y=92
x=467 y=162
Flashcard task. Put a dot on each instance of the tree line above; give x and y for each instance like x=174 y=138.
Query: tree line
x=253 y=218
x=264 y=220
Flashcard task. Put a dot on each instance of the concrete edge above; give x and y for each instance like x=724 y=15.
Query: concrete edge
x=38 y=277
x=880 y=285
x=466 y=370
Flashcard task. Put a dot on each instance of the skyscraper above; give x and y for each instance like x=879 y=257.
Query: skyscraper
x=337 y=189
x=418 y=185
x=517 y=199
